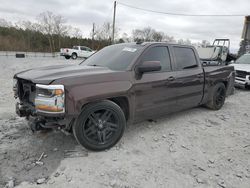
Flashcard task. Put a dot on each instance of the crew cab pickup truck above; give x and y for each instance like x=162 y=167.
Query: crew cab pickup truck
x=119 y=85
x=76 y=51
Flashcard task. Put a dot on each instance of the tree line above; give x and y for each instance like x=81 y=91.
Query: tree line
x=50 y=32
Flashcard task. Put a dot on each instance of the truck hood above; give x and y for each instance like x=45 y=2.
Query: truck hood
x=242 y=67
x=46 y=75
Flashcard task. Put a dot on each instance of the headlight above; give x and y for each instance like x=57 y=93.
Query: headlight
x=50 y=98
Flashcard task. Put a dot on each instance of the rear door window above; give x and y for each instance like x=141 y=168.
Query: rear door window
x=159 y=53
x=185 y=58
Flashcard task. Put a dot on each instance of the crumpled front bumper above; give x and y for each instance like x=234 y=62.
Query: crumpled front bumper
x=24 y=110
x=39 y=121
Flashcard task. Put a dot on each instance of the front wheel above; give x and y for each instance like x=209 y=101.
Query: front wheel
x=100 y=125
x=218 y=97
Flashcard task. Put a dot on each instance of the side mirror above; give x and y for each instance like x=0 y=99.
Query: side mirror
x=149 y=66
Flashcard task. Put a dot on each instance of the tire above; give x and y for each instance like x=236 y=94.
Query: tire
x=67 y=57
x=100 y=125
x=218 y=96
x=74 y=56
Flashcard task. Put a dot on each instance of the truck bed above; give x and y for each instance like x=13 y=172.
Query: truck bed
x=214 y=74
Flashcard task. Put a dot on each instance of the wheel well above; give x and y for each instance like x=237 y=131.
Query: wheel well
x=123 y=103
x=224 y=82
x=74 y=53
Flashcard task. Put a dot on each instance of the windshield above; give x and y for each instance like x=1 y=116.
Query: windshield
x=115 y=57
x=245 y=59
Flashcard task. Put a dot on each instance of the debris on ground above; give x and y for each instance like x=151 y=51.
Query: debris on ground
x=222 y=184
x=41 y=181
x=75 y=153
x=40 y=163
x=201 y=181
x=10 y=184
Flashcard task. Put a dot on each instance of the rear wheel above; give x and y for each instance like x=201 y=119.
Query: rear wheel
x=100 y=125
x=218 y=97
x=67 y=57
x=74 y=56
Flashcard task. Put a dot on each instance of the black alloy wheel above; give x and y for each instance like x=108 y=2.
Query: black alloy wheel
x=100 y=125
x=218 y=96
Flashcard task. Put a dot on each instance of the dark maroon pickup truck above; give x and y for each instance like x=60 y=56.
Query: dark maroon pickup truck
x=120 y=84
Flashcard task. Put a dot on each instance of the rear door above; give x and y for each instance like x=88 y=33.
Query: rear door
x=189 y=77
x=155 y=91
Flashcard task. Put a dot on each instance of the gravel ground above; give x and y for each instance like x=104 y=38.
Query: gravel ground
x=193 y=148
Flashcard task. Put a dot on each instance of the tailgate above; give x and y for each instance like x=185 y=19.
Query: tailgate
x=64 y=50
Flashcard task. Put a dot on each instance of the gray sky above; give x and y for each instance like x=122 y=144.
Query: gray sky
x=82 y=13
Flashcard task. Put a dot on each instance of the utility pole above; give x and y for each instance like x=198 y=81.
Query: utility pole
x=93 y=35
x=113 y=32
x=245 y=42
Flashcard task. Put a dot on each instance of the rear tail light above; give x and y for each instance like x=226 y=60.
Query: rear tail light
x=67 y=50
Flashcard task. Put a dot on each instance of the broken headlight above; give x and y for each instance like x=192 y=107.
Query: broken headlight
x=50 y=98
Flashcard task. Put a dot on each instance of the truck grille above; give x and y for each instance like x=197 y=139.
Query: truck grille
x=241 y=74
x=26 y=91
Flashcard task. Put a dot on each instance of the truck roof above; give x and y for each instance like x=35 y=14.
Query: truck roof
x=152 y=43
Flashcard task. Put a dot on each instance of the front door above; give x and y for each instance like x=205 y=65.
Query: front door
x=155 y=91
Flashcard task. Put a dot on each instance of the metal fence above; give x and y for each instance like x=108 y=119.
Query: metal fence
x=29 y=54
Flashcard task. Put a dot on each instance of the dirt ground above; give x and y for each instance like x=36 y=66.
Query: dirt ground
x=193 y=148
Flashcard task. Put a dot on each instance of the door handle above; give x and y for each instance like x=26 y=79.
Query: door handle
x=171 y=78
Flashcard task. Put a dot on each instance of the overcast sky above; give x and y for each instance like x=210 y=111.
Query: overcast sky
x=82 y=13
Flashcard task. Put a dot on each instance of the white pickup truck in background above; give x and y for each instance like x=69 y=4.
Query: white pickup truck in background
x=76 y=51
x=242 y=68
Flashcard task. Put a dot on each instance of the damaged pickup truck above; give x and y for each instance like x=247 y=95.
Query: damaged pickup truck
x=119 y=85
